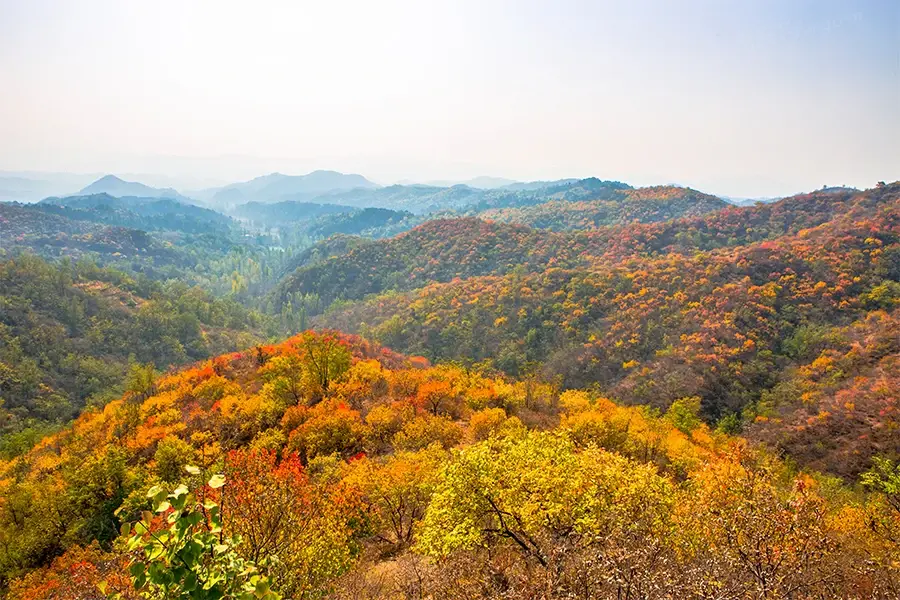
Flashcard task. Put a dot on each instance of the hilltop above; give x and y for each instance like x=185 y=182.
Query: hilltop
x=438 y=250
x=444 y=248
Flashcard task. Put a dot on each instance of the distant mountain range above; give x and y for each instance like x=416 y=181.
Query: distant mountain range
x=483 y=182
x=490 y=183
x=349 y=191
x=837 y=189
x=536 y=185
x=278 y=187
x=29 y=186
x=355 y=191
x=119 y=188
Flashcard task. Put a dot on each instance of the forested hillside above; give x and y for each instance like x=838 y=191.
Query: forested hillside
x=373 y=475
x=425 y=199
x=54 y=235
x=319 y=221
x=161 y=239
x=688 y=308
x=645 y=390
x=443 y=249
x=148 y=214
x=72 y=333
x=643 y=205
x=278 y=213
x=439 y=250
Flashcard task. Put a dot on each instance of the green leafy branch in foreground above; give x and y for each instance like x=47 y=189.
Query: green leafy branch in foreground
x=192 y=558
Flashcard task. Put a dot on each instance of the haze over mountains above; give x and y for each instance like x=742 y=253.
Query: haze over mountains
x=277 y=187
x=322 y=203
x=31 y=186
x=484 y=182
x=328 y=186
x=114 y=186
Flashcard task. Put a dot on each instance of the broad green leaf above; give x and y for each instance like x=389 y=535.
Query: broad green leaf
x=262 y=588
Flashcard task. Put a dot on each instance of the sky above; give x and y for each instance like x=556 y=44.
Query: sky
x=742 y=98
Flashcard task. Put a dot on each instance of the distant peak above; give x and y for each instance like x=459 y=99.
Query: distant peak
x=110 y=179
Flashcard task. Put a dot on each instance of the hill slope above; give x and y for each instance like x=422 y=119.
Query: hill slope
x=424 y=199
x=443 y=249
x=149 y=214
x=644 y=205
x=438 y=250
x=459 y=483
x=68 y=333
x=711 y=314
x=54 y=233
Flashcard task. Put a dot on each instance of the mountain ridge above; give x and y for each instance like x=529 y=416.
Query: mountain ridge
x=276 y=187
x=115 y=186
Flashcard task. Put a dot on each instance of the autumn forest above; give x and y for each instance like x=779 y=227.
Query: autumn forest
x=574 y=390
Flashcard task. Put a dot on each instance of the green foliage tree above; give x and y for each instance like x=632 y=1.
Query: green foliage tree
x=684 y=414
x=884 y=477
x=140 y=377
x=326 y=358
x=172 y=455
x=536 y=492
x=183 y=552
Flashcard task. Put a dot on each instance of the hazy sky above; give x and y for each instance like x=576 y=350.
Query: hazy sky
x=744 y=98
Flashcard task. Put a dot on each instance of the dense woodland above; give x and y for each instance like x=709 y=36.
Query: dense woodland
x=373 y=475
x=644 y=205
x=728 y=308
x=574 y=389
x=72 y=333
